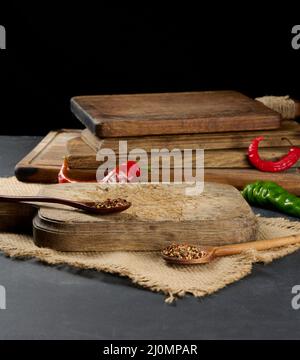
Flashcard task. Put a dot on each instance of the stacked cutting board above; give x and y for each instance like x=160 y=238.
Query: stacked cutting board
x=223 y=123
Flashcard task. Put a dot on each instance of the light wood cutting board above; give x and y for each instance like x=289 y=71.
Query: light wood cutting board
x=172 y=113
x=159 y=215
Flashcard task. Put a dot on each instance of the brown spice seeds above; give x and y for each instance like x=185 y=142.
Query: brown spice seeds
x=184 y=252
x=111 y=203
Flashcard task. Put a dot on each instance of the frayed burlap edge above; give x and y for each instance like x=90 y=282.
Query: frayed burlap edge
x=147 y=269
x=22 y=246
x=51 y=257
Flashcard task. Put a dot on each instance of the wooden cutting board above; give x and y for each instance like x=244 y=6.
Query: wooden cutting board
x=42 y=165
x=172 y=113
x=159 y=215
x=16 y=217
x=81 y=156
x=227 y=140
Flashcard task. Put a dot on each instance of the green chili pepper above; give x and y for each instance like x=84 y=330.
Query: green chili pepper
x=270 y=195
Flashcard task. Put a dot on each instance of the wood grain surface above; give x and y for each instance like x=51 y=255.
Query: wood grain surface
x=81 y=156
x=159 y=215
x=227 y=140
x=42 y=164
x=53 y=149
x=16 y=217
x=172 y=113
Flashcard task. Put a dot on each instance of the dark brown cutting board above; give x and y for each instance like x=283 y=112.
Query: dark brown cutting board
x=42 y=165
x=172 y=113
x=159 y=215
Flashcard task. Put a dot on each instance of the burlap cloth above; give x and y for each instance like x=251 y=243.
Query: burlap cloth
x=147 y=269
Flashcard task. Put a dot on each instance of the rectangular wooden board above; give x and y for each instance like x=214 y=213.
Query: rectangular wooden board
x=42 y=164
x=172 y=113
x=159 y=215
x=53 y=149
x=210 y=141
x=81 y=156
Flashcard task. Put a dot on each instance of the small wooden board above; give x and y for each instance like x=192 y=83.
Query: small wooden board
x=52 y=150
x=159 y=215
x=172 y=113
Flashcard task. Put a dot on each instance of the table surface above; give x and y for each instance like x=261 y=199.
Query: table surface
x=47 y=302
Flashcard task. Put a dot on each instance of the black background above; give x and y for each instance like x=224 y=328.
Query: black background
x=54 y=53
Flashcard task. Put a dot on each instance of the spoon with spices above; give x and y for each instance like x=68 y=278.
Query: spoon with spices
x=185 y=254
x=94 y=207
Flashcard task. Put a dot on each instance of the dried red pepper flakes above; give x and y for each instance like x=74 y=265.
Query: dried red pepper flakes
x=126 y=172
x=284 y=163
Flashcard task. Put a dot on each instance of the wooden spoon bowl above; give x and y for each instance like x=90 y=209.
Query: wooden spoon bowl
x=209 y=253
x=206 y=257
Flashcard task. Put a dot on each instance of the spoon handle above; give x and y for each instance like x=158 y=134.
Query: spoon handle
x=43 y=199
x=256 y=245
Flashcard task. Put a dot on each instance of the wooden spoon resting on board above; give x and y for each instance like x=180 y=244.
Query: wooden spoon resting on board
x=95 y=207
x=206 y=254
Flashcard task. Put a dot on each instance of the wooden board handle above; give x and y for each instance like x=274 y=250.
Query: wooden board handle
x=257 y=245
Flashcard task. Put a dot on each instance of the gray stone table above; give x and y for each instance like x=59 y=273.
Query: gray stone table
x=46 y=302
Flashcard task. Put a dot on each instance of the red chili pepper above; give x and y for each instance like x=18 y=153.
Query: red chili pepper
x=284 y=163
x=62 y=175
x=124 y=173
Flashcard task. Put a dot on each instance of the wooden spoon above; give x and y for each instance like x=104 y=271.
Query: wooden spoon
x=95 y=207
x=209 y=253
